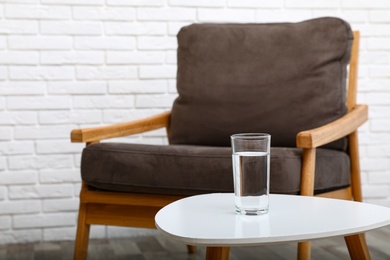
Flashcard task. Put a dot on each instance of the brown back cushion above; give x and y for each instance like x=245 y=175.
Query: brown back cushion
x=278 y=78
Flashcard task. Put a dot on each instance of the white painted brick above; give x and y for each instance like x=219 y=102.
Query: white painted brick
x=143 y=57
x=378 y=98
x=255 y=3
x=104 y=43
x=22 y=88
x=6 y=133
x=155 y=101
x=40 y=42
x=40 y=162
x=280 y=15
x=125 y=28
x=3 y=43
x=59 y=234
x=22 y=177
x=61 y=205
x=61 y=176
x=13 y=207
x=3 y=167
x=380 y=125
x=120 y=101
x=156 y=43
x=138 y=86
x=2 y=103
x=58 y=147
x=5 y=223
x=42 y=73
x=166 y=14
x=72 y=57
x=42 y=132
x=227 y=15
x=136 y=2
x=172 y=86
x=67 y=117
x=312 y=4
x=71 y=87
x=18 y=27
x=105 y=73
x=379 y=178
x=379 y=43
x=15 y=148
x=375 y=58
x=374 y=31
x=171 y=57
x=198 y=3
x=33 y=102
x=38 y=12
x=20 y=236
x=74 y=2
x=77 y=164
x=362 y=4
x=19 y=57
x=373 y=139
x=373 y=164
x=3 y=72
x=41 y=192
x=20 y=1
x=47 y=220
x=375 y=191
x=71 y=28
x=18 y=118
x=379 y=16
x=103 y=13
x=157 y=72
x=3 y=190
x=379 y=112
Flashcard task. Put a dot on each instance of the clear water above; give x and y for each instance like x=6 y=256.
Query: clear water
x=251 y=182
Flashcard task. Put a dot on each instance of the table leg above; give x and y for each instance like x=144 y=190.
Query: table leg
x=217 y=253
x=357 y=246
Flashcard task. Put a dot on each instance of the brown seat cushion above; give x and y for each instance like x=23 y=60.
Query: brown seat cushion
x=278 y=78
x=189 y=169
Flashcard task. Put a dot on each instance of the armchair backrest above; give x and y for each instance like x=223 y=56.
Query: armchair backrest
x=278 y=78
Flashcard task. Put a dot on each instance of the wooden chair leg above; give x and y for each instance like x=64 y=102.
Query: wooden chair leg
x=307 y=189
x=217 y=253
x=191 y=249
x=304 y=250
x=355 y=167
x=357 y=247
x=82 y=235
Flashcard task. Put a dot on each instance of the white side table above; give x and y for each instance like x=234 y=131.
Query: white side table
x=210 y=220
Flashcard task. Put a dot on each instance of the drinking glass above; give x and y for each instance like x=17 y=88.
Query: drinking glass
x=251 y=165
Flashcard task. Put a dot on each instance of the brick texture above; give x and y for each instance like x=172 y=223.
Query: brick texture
x=66 y=64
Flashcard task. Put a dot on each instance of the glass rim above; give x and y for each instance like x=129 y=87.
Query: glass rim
x=250 y=136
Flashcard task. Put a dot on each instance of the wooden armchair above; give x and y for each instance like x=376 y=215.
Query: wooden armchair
x=104 y=205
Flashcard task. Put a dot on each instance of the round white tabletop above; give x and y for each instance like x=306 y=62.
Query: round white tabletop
x=210 y=220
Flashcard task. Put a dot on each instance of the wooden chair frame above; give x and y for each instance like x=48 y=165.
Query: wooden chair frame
x=138 y=210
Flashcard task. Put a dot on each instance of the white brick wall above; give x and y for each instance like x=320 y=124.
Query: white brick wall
x=69 y=63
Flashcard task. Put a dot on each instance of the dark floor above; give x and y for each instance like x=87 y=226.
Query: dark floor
x=158 y=247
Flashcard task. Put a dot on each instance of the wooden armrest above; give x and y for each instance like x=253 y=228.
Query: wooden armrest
x=122 y=129
x=337 y=129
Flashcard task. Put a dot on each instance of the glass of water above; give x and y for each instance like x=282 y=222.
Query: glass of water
x=251 y=165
